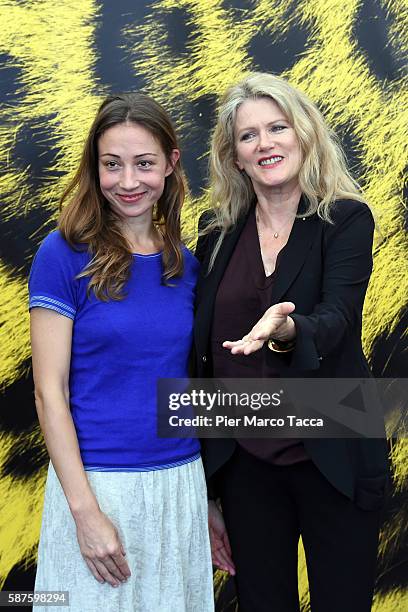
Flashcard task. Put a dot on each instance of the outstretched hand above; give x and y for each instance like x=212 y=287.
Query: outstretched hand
x=275 y=323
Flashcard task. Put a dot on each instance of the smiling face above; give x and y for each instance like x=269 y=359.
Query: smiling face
x=266 y=146
x=132 y=169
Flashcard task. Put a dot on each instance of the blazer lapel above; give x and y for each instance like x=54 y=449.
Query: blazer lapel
x=208 y=284
x=293 y=256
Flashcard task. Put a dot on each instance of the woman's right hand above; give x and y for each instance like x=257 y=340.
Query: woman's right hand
x=275 y=323
x=220 y=546
x=101 y=547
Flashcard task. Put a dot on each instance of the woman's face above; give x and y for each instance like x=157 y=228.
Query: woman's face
x=266 y=146
x=132 y=169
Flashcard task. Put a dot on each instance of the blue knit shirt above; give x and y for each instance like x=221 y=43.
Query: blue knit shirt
x=119 y=350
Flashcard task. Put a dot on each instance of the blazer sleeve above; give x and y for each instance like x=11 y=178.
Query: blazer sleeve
x=347 y=266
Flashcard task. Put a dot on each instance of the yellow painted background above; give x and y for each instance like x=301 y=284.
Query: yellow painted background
x=54 y=46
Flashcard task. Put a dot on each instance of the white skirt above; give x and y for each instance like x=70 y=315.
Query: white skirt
x=161 y=517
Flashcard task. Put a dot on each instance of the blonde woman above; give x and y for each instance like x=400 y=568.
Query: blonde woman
x=286 y=259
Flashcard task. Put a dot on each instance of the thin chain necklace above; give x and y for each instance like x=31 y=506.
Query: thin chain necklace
x=276 y=233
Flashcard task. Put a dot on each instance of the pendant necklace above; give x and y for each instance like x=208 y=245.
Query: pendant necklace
x=276 y=233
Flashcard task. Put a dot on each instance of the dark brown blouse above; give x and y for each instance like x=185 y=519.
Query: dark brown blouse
x=242 y=298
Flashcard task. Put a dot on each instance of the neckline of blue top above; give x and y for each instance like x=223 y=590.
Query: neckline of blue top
x=148 y=255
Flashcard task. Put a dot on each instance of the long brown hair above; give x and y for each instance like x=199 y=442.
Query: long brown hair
x=88 y=218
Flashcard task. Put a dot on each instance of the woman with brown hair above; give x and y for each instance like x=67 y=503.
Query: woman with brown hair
x=286 y=257
x=111 y=301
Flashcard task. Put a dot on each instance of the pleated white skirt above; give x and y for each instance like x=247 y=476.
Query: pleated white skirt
x=161 y=517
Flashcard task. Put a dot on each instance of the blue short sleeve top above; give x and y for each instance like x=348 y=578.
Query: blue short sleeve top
x=119 y=350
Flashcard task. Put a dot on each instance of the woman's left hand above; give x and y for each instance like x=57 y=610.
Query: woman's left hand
x=220 y=547
x=275 y=323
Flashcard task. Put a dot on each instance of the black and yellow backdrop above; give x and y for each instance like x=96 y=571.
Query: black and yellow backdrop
x=59 y=59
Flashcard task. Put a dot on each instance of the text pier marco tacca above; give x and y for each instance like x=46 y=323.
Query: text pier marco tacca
x=280 y=408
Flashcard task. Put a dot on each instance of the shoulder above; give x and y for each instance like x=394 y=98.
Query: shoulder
x=349 y=218
x=56 y=257
x=206 y=239
x=205 y=219
x=53 y=242
x=343 y=210
x=53 y=282
x=55 y=248
x=56 y=244
x=352 y=227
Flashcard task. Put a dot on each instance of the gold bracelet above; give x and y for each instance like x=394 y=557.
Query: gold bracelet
x=281 y=347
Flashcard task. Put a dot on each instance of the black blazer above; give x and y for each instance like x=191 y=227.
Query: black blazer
x=324 y=270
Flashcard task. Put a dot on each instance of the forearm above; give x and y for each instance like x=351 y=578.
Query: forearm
x=62 y=445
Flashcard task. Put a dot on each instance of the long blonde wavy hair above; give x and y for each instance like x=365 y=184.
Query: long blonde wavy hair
x=323 y=176
x=87 y=218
